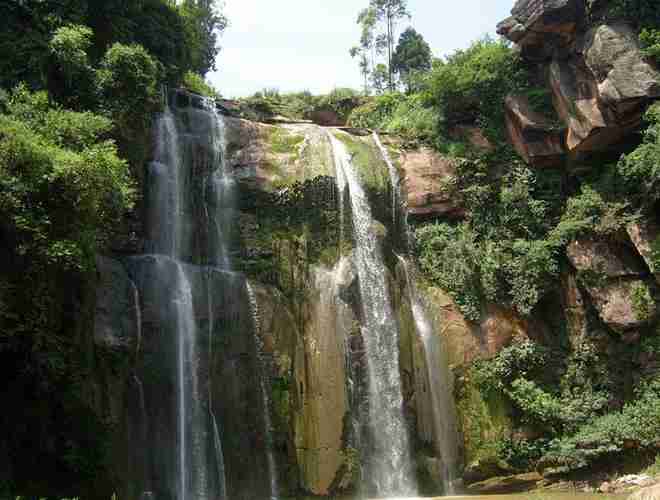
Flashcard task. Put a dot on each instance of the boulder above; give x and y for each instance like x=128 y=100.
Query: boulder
x=615 y=303
x=612 y=277
x=473 y=135
x=591 y=126
x=644 y=235
x=541 y=26
x=650 y=493
x=626 y=81
x=533 y=136
x=424 y=172
x=606 y=258
x=508 y=484
x=603 y=88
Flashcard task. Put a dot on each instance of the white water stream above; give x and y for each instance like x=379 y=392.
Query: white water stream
x=443 y=413
x=389 y=466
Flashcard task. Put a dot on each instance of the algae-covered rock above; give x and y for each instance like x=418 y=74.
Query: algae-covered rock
x=507 y=484
x=116 y=318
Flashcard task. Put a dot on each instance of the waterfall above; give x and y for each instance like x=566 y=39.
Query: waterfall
x=170 y=243
x=265 y=396
x=440 y=386
x=389 y=466
x=395 y=180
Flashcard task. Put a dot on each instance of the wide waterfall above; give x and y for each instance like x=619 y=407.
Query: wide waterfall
x=195 y=376
x=388 y=468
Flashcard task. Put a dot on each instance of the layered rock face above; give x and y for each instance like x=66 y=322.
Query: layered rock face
x=601 y=83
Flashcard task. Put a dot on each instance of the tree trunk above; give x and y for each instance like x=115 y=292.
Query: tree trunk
x=389 y=48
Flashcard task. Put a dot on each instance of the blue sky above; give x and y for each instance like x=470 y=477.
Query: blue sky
x=296 y=45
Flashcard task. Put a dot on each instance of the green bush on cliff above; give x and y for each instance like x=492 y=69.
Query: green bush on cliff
x=196 y=83
x=650 y=40
x=62 y=181
x=640 y=170
x=471 y=85
x=501 y=253
x=635 y=428
x=128 y=84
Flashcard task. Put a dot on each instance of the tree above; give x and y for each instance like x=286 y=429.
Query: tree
x=367 y=48
x=379 y=78
x=378 y=22
x=390 y=12
x=412 y=56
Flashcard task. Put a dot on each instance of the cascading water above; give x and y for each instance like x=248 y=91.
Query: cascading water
x=169 y=245
x=389 y=468
x=395 y=180
x=439 y=379
x=265 y=397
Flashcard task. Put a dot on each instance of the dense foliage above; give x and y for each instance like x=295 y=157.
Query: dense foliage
x=79 y=81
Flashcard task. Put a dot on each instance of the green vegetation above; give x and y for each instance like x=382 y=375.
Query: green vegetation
x=196 y=83
x=62 y=181
x=79 y=82
x=270 y=103
x=632 y=430
x=378 y=23
x=411 y=58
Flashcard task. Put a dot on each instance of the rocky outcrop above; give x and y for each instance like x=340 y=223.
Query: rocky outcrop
x=539 y=26
x=425 y=172
x=600 y=81
x=650 y=493
x=644 y=235
x=322 y=380
x=117 y=307
x=534 y=136
x=507 y=484
x=614 y=281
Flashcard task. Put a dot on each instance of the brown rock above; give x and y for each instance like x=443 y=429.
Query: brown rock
x=575 y=94
x=612 y=274
x=424 y=172
x=643 y=235
x=472 y=135
x=533 y=136
x=321 y=380
x=602 y=90
x=574 y=308
x=615 y=304
x=626 y=81
x=650 y=493
x=603 y=257
x=508 y=484
x=541 y=26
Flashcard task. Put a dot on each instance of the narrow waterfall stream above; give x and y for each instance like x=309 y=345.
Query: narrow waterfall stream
x=265 y=396
x=389 y=468
x=443 y=413
x=395 y=180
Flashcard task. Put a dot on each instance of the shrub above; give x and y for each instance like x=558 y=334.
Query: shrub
x=471 y=85
x=640 y=170
x=650 y=40
x=69 y=47
x=196 y=83
x=62 y=180
x=376 y=112
x=128 y=81
x=635 y=427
